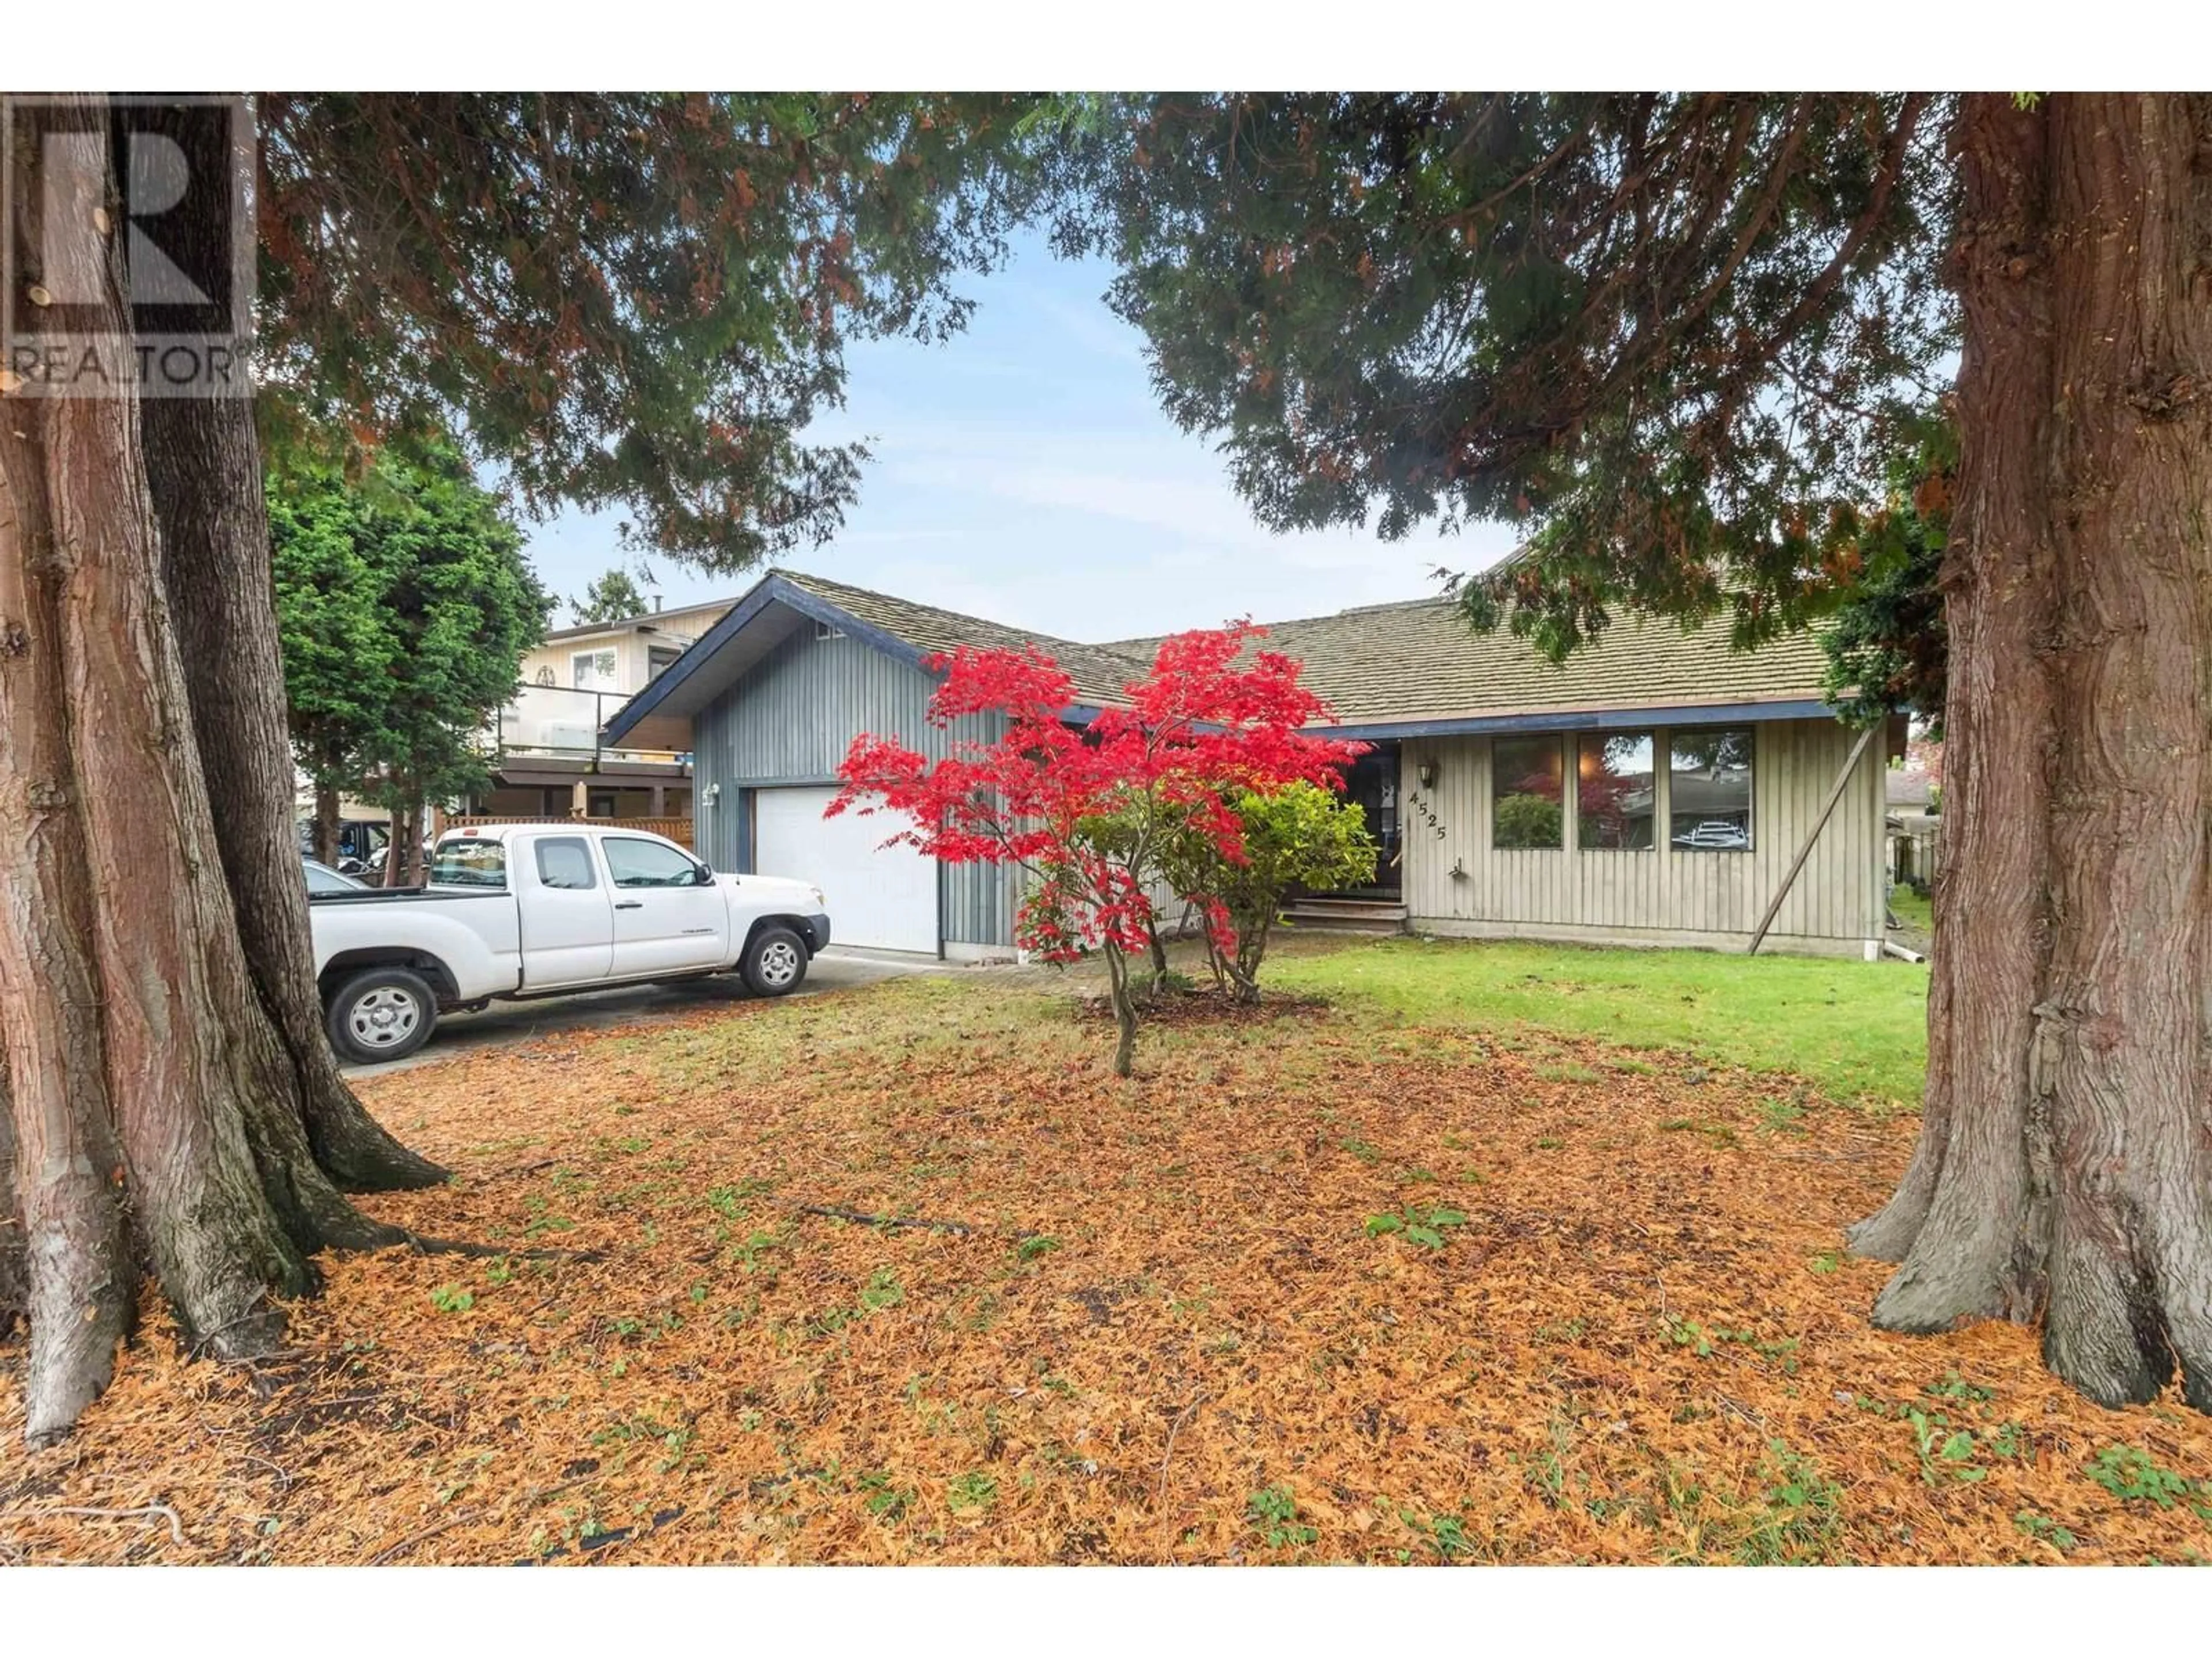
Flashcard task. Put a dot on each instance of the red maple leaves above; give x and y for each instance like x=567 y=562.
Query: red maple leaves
x=1084 y=809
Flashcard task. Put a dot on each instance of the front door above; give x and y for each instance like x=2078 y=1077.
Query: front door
x=1372 y=784
x=664 y=920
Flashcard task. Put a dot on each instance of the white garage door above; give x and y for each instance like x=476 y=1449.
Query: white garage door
x=883 y=897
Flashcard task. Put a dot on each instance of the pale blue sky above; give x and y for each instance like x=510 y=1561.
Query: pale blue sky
x=1024 y=471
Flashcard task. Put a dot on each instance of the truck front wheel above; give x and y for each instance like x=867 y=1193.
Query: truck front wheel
x=775 y=963
x=381 y=1013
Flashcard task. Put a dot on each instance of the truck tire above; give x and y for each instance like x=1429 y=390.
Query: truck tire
x=775 y=963
x=381 y=1013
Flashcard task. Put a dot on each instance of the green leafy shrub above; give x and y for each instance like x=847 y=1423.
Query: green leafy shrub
x=1301 y=835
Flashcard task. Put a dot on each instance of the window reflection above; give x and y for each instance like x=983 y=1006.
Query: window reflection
x=1526 y=776
x=1614 y=792
x=1709 y=786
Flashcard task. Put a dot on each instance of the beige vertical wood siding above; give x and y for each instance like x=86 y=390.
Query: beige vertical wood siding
x=1666 y=895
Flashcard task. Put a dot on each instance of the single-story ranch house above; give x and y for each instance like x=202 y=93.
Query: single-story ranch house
x=1703 y=777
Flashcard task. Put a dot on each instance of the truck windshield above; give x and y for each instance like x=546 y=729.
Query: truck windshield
x=468 y=864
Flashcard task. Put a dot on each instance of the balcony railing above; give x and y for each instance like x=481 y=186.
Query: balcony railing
x=562 y=724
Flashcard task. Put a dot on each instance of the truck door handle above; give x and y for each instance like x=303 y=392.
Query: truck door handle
x=630 y=905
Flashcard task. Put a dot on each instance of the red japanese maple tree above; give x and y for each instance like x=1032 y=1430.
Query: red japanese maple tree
x=1083 y=809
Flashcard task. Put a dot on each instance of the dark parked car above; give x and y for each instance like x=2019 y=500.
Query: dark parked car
x=321 y=878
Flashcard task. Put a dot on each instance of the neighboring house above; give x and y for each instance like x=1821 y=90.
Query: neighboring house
x=552 y=759
x=1912 y=821
x=1700 y=772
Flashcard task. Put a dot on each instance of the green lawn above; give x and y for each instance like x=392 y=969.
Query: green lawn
x=1858 y=1030
x=1914 y=911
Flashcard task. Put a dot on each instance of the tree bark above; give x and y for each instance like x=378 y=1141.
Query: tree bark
x=204 y=465
x=72 y=1275
x=15 y=1283
x=327 y=823
x=405 y=852
x=139 y=1056
x=2063 y=1167
x=1124 y=1000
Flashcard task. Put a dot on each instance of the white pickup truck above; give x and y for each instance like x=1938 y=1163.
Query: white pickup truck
x=535 y=909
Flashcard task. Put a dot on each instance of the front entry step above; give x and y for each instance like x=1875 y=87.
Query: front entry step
x=1345 y=915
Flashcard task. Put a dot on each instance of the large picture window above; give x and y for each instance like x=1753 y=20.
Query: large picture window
x=1709 y=790
x=1526 y=811
x=1613 y=795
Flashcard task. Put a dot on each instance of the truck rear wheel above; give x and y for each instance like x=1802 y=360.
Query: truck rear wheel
x=381 y=1013
x=775 y=963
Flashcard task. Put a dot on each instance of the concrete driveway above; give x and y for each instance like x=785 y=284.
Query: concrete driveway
x=837 y=969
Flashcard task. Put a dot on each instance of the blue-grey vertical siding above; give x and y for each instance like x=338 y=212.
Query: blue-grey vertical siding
x=790 y=721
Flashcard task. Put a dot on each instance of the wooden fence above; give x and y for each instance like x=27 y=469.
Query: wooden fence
x=676 y=829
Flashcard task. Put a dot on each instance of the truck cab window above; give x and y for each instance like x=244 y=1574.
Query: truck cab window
x=566 y=862
x=468 y=864
x=635 y=863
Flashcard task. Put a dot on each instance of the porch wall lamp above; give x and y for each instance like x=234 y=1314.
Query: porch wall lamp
x=1427 y=772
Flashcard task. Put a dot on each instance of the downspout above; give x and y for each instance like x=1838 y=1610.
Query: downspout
x=1835 y=794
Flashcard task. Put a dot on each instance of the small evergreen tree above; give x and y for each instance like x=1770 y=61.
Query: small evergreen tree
x=394 y=677
x=612 y=597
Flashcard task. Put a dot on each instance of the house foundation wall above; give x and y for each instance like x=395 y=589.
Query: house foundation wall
x=1648 y=939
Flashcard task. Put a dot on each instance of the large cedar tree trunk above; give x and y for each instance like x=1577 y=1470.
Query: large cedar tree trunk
x=157 y=1118
x=204 y=464
x=2062 y=1168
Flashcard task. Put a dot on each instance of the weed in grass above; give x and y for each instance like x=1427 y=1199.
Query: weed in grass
x=1801 y=1516
x=2043 y=1530
x=1946 y=1453
x=498 y=1271
x=542 y=1220
x=972 y=1493
x=1448 y=1537
x=730 y=1202
x=1955 y=1387
x=887 y=1502
x=883 y=1289
x=1036 y=1245
x=1569 y=1071
x=757 y=1245
x=1778 y=1117
x=1827 y=1261
x=1421 y=1226
x=452 y=1298
x=1273 y=1512
x=2134 y=1476
x=1360 y=1149
x=1565 y=1330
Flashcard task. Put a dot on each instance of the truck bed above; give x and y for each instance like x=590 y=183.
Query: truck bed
x=385 y=895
